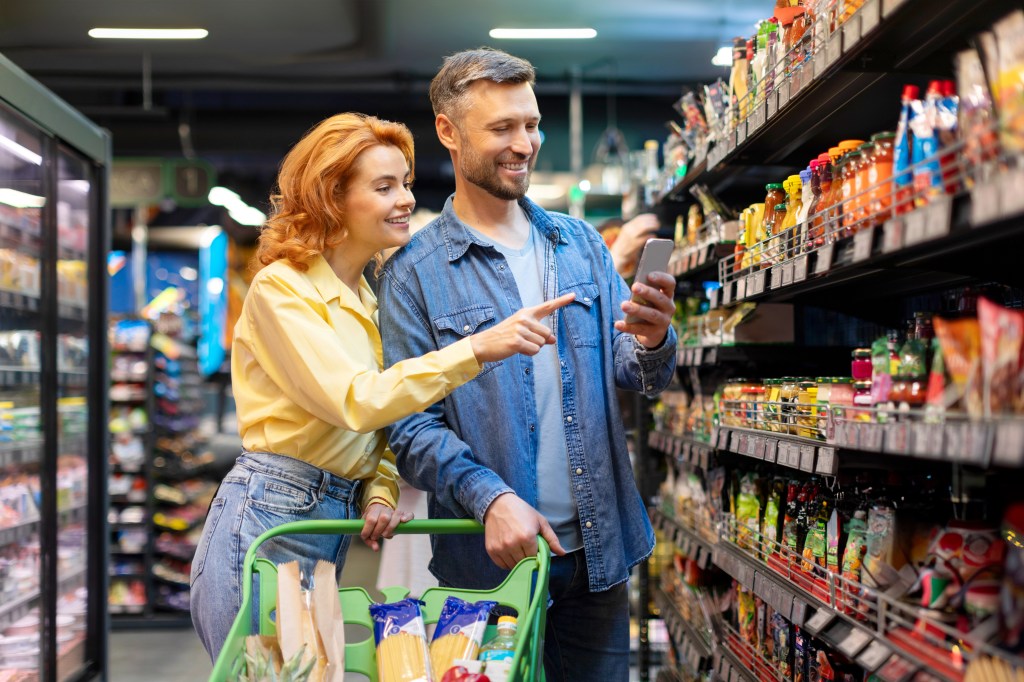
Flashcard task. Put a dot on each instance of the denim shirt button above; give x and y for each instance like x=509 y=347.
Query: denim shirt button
x=465 y=328
x=569 y=419
x=528 y=371
x=579 y=472
x=589 y=524
x=650 y=388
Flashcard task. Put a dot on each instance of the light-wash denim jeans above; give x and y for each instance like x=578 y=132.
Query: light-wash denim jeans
x=260 y=492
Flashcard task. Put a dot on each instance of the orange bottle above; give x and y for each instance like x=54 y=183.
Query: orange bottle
x=880 y=178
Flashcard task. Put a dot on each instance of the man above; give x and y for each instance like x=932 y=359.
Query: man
x=532 y=445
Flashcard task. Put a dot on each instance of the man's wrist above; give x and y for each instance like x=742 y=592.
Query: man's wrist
x=377 y=499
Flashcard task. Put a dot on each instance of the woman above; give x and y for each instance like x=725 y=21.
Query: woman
x=306 y=364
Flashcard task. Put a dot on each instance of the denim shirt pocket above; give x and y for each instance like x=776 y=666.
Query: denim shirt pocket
x=583 y=315
x=457 y=325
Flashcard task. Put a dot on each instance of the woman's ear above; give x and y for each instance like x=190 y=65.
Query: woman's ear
x=446 y=132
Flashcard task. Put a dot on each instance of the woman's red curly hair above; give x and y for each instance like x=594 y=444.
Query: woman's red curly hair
x=307 y=206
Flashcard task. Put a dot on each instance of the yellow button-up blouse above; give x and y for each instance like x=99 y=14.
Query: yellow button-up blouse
x=306 y=374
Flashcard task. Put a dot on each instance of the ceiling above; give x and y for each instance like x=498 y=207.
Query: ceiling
x=270 y=69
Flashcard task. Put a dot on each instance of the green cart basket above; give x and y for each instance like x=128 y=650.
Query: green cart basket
x=525 y=590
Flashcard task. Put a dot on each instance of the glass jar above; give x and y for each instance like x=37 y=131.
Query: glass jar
x=732 y=397
x=823 y=401
x=771 y=411
x=860 y=186
x=900 y=389
x=753 y=404
x=807 y=409
x=788 y=392
x=842 y=392
x=880 y=178
x=862 y=398
x=850 y=164
x=860 y=366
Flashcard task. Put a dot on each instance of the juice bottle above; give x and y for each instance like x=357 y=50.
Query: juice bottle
x=787 y=229
x=880 y=178
x=822 y=220
x=814 y=233
x=847 y=171
x=503 y=646
x=806 y=200
x=903 y=177
x=860 y=186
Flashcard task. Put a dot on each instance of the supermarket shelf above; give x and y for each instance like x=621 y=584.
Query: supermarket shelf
x=699 y=261
x=795 y=452
x=683 y=449
x=17 y=608
x=687 y=539
x=858 y=66
x=944 y=244
x=693 y=648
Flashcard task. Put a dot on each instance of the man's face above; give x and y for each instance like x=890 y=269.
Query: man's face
x=499 y=137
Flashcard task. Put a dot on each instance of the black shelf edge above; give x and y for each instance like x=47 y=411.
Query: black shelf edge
x=686 y=539
x=668 y=607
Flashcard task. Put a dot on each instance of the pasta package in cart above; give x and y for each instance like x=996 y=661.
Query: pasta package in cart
x=401 y=642
x=459 y=633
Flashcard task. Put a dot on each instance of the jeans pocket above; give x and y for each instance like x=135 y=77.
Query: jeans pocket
x=209 y=530
x=281 y=495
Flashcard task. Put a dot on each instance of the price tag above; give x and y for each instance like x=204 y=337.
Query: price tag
x=711 y=356
x=773 y=104
x=713 y=298
x=869 y=436
x=698 y=356
x=854 y=642
x=795 y=456
x=741 y=133
x=977 y=445
x=938 y=215
x=727 y=291
x=807 y=458
x=741 y=288
x=771 y=450
x=800 y=268
x=926 y=440
x=870 y=13
x=1009 y=446
x=896 y=669
x=757 y=287
x=723 y=439
x=787 y=274
x=897 y=438
x=915 y=223
x=705 y=456
x=776 y=279
x=985 y=203
x=760 y=447
x=784 y=92
x=892 y=235
x=862 y=245
x=872 y=658
x=819 y=621
x=702 y=256
x=851 y=32
x=1010 y=195
x=750 y=447
x=734 y=443
x=833 y=49
x=824 y=259
x=827 y=463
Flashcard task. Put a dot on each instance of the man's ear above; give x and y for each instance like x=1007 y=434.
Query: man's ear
x=446 y=132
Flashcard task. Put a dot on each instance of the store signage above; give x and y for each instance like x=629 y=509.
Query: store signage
x=142 y=182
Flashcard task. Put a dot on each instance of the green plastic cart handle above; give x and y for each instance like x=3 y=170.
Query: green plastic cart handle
x=355 y=526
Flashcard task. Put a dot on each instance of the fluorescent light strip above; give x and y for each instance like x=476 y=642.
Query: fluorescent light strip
x=543 y=33
x=19 y=151
x=149 y=33
x=13 y=197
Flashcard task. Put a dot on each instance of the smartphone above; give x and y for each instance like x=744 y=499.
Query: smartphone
x=654 y=258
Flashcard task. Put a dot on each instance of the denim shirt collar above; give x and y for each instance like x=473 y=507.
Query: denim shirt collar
x=457 y=237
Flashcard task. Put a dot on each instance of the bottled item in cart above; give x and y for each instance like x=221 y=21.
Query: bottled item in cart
x=860 y=366
x=502 y=646
x=879 y=202
x=903 y=178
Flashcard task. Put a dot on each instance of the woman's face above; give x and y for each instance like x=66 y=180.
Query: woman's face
x=379 y=201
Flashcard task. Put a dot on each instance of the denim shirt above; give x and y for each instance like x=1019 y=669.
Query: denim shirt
x=480 y=441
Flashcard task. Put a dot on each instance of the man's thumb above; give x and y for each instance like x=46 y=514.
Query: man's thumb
x=548 y=534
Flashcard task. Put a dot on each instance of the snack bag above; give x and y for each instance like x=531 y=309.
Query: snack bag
x=459 y=633
x=401 y=642
x=961 y=354
x=1009 y=34
x=1002 y=335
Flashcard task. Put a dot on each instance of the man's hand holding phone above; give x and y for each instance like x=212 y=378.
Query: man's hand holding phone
x=649 y=311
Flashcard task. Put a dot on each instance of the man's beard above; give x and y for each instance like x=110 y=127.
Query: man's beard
x=484 y=175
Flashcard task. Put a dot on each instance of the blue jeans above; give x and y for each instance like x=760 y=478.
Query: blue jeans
x=260 y=492
x=587 y=636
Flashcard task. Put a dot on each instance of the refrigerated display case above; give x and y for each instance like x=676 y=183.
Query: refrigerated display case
x=53 y=233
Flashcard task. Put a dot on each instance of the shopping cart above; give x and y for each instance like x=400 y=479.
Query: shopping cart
x=525 y=590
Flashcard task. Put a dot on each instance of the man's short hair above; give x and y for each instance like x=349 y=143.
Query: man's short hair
x=462 y=69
